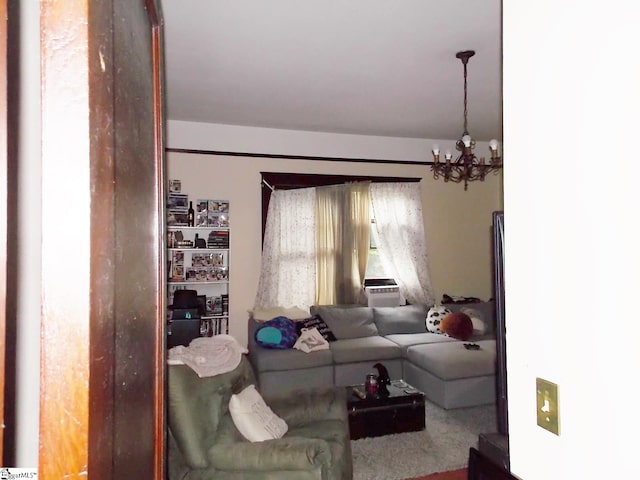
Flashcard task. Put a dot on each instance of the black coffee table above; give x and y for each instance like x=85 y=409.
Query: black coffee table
x=401 y=411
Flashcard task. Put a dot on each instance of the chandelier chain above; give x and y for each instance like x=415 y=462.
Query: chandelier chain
x=466 y=130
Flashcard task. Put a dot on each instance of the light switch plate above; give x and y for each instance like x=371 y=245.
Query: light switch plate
x=547 y=405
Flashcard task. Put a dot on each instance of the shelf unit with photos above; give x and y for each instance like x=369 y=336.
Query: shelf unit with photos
x=198 y=259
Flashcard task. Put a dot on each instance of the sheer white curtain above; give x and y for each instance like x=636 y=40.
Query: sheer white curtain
x=288 y=273
x=397 y=208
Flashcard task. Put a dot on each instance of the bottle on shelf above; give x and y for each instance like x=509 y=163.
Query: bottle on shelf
x=190 y=215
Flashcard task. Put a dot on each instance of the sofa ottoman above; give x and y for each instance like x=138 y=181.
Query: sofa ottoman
x=354 y=358
x=452 y=376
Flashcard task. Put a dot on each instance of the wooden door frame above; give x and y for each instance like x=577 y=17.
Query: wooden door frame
x=78 y=400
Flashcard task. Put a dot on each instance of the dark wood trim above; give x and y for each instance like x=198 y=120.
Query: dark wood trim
x=3 y=212
x=10 y=94
x=102 y=328
x=287 y=181
x=157 y=25
x=296 y=157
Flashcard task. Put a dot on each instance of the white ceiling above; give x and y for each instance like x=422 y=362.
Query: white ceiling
x=372 y=67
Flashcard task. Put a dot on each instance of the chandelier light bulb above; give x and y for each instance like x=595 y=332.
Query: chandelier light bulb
x=447 y=155
x=493 y=146
x=466 y=139
x=436 y=150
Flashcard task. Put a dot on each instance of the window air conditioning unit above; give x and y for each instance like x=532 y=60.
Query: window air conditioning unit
x=383 y=296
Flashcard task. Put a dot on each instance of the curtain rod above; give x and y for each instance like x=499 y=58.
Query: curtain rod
x=267 y=184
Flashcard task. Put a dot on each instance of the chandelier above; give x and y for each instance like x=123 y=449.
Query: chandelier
x=467 y=167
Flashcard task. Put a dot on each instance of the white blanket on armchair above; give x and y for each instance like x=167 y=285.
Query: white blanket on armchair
x=208 y=356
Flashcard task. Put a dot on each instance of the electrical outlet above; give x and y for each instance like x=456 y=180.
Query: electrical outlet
x=547 y=405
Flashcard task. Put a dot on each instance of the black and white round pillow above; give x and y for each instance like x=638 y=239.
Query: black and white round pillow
x=434 y=318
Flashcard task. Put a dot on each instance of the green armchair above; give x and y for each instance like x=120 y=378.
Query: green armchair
x=204 y=444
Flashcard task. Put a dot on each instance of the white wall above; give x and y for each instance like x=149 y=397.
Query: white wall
x=571 y=103
x=233 y=138
x=27 y=399
x=457 y=223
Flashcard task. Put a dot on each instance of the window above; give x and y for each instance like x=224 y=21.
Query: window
x=396 y=242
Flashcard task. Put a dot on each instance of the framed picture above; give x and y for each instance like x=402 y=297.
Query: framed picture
x=177 y=273
x=218 y=219
x=177 y=201
x=219 y=206
x=177 y=218
x=191 y=275
x=210 y=305
x=178 y=257
x=175 y=186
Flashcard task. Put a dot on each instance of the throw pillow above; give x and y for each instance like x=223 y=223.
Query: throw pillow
x=279 y=332
x=434 y=318
x=348 y=322
x=316 y=322
x=457 y=325
x=401 y=319
x=479 y=325
x=253 y=418
x=483 y=310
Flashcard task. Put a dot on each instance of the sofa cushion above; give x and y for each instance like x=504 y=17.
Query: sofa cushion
x=316 y=322
x=268 y=360
x=451 y=361
x=402 y=319
x=348 y=322
x=406 y=340
x=364 y=349
x=253 y=418
x=479 y=325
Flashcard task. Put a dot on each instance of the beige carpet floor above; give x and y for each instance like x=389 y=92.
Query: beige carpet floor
x=443 y=446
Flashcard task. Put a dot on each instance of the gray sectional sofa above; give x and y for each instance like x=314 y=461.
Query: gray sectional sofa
x=449 y=374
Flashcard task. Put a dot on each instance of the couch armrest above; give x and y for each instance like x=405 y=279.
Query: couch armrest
x=287 y=453
x=312 y=405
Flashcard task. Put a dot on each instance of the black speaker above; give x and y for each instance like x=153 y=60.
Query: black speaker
x=183 y=327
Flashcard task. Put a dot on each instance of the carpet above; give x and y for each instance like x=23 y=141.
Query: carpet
x=443 y=445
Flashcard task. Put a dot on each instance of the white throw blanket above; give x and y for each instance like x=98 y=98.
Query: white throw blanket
x=208 y=356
